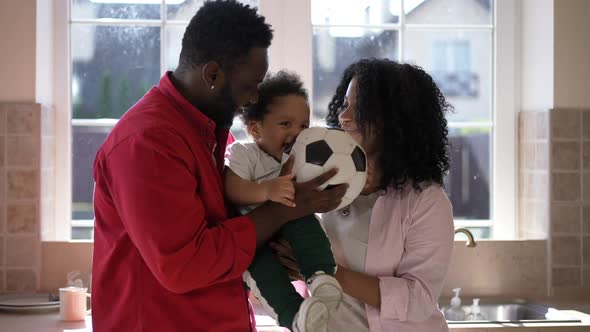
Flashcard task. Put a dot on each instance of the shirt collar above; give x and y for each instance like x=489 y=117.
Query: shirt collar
x=204 y=125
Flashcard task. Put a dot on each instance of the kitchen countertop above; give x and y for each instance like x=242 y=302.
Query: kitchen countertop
x=49 y=322
x=40 y=322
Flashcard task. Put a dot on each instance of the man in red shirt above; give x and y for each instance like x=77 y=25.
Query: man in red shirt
x=168 y=256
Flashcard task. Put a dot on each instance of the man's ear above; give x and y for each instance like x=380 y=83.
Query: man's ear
x=212 y=75
x=253 y=128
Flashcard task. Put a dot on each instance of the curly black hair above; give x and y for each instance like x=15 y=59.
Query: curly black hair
x=404 y=105
x=276 y=85
x=223 y=31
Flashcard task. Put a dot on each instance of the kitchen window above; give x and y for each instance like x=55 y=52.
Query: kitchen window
x=437 y=35
x=118 y=49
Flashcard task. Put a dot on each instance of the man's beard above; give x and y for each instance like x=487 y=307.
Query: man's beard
x=223 y=109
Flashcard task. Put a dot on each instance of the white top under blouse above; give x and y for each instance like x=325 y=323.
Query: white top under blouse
x=348 y=231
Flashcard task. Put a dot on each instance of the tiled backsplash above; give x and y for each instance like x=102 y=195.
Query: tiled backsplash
x=555 y=193
x=23 y=128
x=499 y=268
x=493 y=268
x=534 y=175
x=554 y=205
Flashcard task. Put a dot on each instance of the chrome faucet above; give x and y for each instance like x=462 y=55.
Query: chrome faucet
x=470 y=240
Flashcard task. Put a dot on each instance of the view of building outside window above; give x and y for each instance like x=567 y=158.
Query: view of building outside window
x=120 y=49
x=453 y=42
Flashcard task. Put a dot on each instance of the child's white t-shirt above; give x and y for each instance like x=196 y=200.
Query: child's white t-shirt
x=251 y=163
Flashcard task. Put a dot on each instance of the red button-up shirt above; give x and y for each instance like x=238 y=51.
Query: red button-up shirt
x=166 y=256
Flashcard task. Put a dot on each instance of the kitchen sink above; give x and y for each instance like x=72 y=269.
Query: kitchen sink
x=513 y=311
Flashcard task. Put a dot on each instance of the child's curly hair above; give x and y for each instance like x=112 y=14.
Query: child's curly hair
x=281 y=84
x=408 y=110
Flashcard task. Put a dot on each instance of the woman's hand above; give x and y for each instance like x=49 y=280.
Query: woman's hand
x=284 y=254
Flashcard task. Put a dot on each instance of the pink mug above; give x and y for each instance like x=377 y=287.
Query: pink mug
x=72 y=303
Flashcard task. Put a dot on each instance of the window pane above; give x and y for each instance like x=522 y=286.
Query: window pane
x=355 y=12
x=184 y=10
x=112 y=67
x=478 y=233
x=469 y=180
x=336 y=48
x=238 y=129
x=461 y=64
x=117 y=9
x=85 y=232
x=449 y=11
x=86 y=139
x=174 y=35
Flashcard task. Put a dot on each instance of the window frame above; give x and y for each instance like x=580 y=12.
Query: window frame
x=292 y=49
x=503 y=188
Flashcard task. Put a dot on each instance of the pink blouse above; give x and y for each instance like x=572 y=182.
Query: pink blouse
x=409 y=249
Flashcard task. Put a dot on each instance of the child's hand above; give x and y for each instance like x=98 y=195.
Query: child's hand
x=281 y=190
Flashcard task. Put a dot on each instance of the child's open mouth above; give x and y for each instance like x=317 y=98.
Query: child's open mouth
x=287 y=146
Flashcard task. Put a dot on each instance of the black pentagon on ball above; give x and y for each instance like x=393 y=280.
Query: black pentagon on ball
x=317 y=153
x=359 y=159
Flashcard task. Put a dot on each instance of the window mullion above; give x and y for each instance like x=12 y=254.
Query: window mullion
x=438 y=27
x=402 y=32
x=115 y=22
x=163 y=28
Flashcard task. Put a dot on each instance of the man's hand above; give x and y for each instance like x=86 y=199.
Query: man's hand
x=271 y=216
x=309 y=199
x=285 y=256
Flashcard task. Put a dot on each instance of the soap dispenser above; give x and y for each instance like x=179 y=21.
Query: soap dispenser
x=455 y=312
x=475 y=313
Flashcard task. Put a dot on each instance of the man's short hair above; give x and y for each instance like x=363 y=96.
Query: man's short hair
x=223 y=31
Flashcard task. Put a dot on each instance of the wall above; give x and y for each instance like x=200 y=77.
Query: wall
x=20 y=163
x=536 y=48
x=489 y=269
x=570 y=151
x=498 y=268
x=555 y=140
x=555 y=194
x=17 y=55
x=570 y=194
x=55 y=268
x=26 y=143
x=26 y=191
x=44 y=53
x=534 y=175
x=572 y=51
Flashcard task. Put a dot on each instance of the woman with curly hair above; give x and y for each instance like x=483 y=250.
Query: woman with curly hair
x=393 y=243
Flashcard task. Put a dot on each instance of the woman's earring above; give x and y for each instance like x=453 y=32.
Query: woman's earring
x=212 y=87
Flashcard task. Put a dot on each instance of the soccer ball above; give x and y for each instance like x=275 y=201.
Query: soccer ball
x=318 y=149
